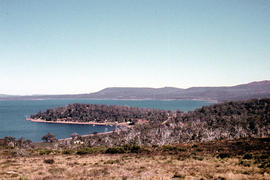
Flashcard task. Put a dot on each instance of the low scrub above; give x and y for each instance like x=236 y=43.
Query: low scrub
x=132 y=148
x=224 y=155
x=90 y=150
x=67 y=151
x=172 y=148
x=48 y=161
x=45 y=151
x=115 y=150
x=128 y=148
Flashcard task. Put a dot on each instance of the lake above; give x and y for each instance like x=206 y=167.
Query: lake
x=13 y=116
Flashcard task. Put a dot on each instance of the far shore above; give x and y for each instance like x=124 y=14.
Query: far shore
x=114 y=99
x=73 y=122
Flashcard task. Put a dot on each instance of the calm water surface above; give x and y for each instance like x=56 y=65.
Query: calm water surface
x=13 y=114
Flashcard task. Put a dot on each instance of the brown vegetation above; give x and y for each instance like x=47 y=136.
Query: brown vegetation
x=246 y=158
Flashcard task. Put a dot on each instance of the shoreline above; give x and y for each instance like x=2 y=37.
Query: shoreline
x=82 y=123
x=87 y=135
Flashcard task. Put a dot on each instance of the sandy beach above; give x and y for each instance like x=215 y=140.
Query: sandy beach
x=86 y=123
x=73 y=122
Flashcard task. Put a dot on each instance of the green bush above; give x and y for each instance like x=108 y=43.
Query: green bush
x=83 y=151
x=133 y=148
x=68 y=151
x=115 y=150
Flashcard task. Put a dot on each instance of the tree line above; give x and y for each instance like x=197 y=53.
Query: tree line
x=101 y=113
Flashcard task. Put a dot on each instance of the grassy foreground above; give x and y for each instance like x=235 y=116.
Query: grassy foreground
x=226 y=159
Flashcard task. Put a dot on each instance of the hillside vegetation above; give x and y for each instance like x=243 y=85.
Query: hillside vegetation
x=220 y=121
x=101 y=113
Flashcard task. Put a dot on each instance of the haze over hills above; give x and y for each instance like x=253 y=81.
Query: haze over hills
x=4 y=95
x=259 y=89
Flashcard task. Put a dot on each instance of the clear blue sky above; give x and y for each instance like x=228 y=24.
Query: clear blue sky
x=81 y=46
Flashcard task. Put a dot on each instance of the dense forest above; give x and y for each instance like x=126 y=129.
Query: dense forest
x=102 y=113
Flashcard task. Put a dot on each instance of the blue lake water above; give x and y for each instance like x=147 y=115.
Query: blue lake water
x=13 y=116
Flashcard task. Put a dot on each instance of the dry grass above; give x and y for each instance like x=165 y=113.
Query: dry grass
x=126 y=166
x=226 y=159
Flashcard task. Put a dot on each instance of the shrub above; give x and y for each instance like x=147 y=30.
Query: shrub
x=115 y=150
x=246 y=163
x=85 y=150
x=117 y=161
x=133 y=148
x=49 y=138
x=264 y=165
x=177 y=175
x=67 y=151
x=223 y=155
x=247 y=156
x=49 y=161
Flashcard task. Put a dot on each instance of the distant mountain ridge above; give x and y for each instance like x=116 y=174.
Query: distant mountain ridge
x=258 y=89
x=239 y=92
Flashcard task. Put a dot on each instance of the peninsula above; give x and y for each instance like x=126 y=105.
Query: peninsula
x=100 y=115
x=230 y=120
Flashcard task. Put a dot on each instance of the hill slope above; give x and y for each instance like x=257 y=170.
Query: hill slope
x=228 y=120
x=240 y=92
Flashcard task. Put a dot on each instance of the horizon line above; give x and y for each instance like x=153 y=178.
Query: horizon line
x=6 y=94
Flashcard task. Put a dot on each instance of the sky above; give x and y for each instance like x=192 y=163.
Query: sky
x=71 y=46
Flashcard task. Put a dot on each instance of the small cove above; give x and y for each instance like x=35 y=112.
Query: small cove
x=13 y=116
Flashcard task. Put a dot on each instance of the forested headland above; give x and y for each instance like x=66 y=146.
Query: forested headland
x=102 y=114
x=228 y=120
